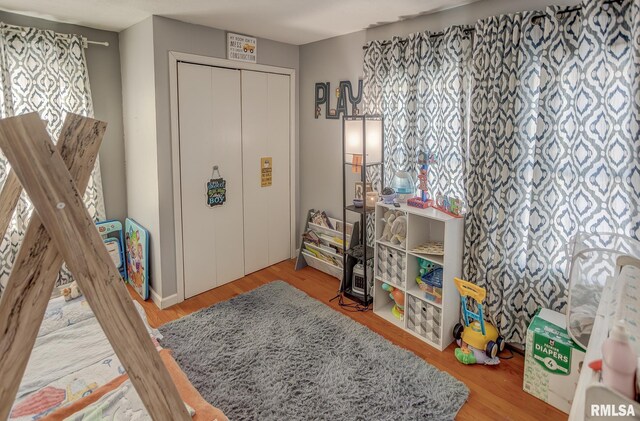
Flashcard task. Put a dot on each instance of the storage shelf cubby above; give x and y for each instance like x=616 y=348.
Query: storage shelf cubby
x=424 y=319
x=420 y=296
x=383 y=304
x=432 y=257
x=428 y=320
x=391 y=245
x=391 y=265
x=391 y=283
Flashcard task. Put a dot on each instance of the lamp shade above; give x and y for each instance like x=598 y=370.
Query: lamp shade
x=353 y=132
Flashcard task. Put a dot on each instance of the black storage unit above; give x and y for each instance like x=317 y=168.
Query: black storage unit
x=357 y=251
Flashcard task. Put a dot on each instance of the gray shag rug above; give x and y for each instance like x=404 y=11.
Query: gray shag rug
x=275 y=353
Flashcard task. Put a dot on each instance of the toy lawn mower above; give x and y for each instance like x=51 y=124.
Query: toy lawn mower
x=479 y=340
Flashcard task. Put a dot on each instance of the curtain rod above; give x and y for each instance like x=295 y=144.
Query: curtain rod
x=538 y=18
x=533 y=19
x=571 y=10
x=85 y=41
x=434 y=35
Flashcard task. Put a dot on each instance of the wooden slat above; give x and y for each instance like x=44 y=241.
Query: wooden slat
x=38 y=262
x=46 y=179
x=9 y=197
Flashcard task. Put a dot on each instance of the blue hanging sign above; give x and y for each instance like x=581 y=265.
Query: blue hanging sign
x=216 y=190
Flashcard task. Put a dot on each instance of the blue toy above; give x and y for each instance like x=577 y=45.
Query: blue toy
x=111 y=232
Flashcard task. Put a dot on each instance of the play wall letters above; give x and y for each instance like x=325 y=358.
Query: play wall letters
x=344 y=94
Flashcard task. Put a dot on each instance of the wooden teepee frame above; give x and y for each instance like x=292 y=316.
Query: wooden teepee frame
x=61 y=229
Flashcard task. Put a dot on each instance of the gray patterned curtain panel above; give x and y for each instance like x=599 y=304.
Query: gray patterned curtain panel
x=45 y=72
x=555 y=148
x=554 y=139
x=419 y=84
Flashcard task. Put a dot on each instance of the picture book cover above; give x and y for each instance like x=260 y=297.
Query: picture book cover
x=137 y=245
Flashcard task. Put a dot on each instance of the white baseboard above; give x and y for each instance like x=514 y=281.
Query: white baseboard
x=165 y=302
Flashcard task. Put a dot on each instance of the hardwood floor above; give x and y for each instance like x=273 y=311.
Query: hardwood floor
x=496 y=392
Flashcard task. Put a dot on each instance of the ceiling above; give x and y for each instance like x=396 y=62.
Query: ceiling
x=291 y=21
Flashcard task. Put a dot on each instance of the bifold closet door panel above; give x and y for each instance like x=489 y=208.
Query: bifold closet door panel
x=279 y=199
x=265 y=134
x=210 y=134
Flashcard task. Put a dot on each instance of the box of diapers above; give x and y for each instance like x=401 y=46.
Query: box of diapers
x=552 y=360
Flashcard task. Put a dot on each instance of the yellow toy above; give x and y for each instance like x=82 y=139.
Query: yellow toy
x=478 y=339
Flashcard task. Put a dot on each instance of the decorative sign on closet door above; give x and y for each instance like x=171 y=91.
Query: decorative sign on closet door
x=266 y=168
x=216 y=189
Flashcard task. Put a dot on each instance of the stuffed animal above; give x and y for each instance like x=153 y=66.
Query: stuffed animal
x=71 y=291
x=399 y=231
x=388 y=219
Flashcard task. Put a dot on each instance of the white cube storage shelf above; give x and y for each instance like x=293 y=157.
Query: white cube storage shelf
x=398 y=266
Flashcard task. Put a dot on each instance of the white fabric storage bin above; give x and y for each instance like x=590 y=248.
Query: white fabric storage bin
x=392 y=265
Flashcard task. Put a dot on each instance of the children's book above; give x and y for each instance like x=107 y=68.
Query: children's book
x=137 y=248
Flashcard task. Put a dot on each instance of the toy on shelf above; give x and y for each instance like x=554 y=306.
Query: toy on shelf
x=398 y=299
x=424 y=160
x=478 y=339
x=449 y=205
x=395 y=228
x=111 y=232
x=430 y=280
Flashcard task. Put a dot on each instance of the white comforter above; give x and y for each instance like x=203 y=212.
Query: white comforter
x=71 y=358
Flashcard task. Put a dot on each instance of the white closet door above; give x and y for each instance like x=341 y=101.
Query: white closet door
x=210 y=134
x=265 y=133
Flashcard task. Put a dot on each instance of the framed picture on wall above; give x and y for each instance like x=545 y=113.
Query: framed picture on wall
x=359 y=192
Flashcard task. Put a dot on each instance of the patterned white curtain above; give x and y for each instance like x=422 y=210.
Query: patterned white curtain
x=419 y=85
x=554 y=148
x=45 y=72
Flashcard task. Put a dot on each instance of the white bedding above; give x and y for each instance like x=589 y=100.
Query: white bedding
x=71 y=358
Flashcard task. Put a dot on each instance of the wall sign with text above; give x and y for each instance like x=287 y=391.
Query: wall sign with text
x=241 y=48
x=344 y=95
x=266 y=171
x=216 y=189
x=216 y=192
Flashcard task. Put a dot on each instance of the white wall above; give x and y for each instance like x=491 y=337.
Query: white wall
x=138 y=109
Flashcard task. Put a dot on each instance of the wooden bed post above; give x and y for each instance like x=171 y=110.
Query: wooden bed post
x=38 y=262
x=61 y=211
